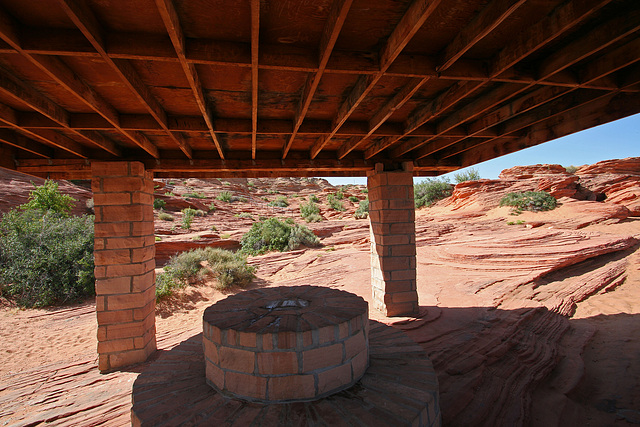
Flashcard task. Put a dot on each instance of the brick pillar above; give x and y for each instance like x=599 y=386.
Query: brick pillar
x=124 y=263
x=393 y=240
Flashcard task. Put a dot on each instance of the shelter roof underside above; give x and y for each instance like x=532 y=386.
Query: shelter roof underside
x=305 y=87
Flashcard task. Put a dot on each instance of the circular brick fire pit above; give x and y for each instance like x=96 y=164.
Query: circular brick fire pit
x=286 y=344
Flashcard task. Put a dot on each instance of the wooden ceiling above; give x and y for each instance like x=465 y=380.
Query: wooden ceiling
x=305 y=87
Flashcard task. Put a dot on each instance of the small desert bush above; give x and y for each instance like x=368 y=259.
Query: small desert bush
x=280 y=201
x=363 y=209
x=468 y=175
x=535 y=201
x=275 y=235
x=226 y=267
x=244 y=215
x=339 y=194
x=224 y=196
x=571 y=169
x=429 y=191
x=310 y=212
x=353 y=199
x=335 y=204
x=163 y=216
x=313 y=198
x=46 y=256
x=194 y=195
x=187 y=217
x=159 y=204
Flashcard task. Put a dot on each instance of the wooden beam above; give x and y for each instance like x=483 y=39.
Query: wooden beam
x=255 y=43
x=337 y=16
x=482 y=24
x=20 y=141
x=88 y=24
x=603 y=110
x=409 y=24
x=174 y=29
x=399 y=99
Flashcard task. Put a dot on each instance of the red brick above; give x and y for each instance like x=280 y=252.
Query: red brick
x=321 y=357
x=343 y=330
x=102 y=333
x=137 y=168
x=231 y=337
x=117 y=184
x=247 y=339
x=402 y=228
x=114 y=317
x=246 y=385
x=212 y=332
x=277 y=362
x=267 y=342
x=110 y=199
x=403 y=250
x=386 y=239
x=111 y=257
x=143 y=312
x=411 y=296
x=123 y=302
x=148 y=338
x=143 y=282
x=215 y=375
x=109 y=229
x=142 y=198
x=100 y=303
x=98 y=244
x=126 y=358
x=359 y=364
x=394 y=263
x=113 y=346
x=399 y=286
x=136 y=269
x=109 y=168
x=126 y=330
x=404 y=274
x=125 y=242
x=142 y=228
x=103 y=363
x=287 y=340
x=291 y=387
x=237 y=359
x=401 y=309
x=354 y=345
x=143 y=254
x=326 y=334
x=334 y=378
x=210 y=350
x=123 y=213
x=391 y=192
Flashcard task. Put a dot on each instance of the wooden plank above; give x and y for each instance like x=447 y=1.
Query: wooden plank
x=337 y=16
x=409 y=24
x=482 y=24
x=20 y=141
x=255 y=44
x=174 y=29
x=398 y=100
x=88 y=24
x=564 y=18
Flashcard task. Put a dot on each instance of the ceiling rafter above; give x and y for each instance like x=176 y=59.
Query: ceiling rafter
x=255 y=43
x=20 y=141
x=172 y=24
x=409 y=24
x=480 y=26
x=337 y=16
x=597 y=69
x=570 y=14
x=90 y=27
x=64 y=76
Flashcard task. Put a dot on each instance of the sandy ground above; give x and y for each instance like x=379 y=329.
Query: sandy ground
x=577 y=369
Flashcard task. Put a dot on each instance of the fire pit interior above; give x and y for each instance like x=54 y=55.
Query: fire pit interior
x=286 y=344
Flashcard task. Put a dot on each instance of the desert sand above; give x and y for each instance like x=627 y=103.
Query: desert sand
x=535 y=323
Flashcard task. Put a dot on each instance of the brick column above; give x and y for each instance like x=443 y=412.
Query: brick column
x=393 y=240
x=124 y=263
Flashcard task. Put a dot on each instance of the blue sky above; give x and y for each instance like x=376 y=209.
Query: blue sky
x=614 y=140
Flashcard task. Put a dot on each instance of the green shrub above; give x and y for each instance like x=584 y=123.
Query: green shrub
x=187 y=217
x=334 y=203
x=194 y=195
x=169 y=194
x=339 y=194
x=245 y=215
x=226 y=267
x=353 y=199
x=468 y=175
x=363 y=209
x=46 y=197
x=365 y=190
x=310 y=212
x=429 y=191
x=212 y=207
x=163 y=216
x=280 y=201
x=535 y=201
x=159 y=204
x=46 y=257
x=571 y=169
x=313 y=198
x=224 y=196
x=275 y=235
